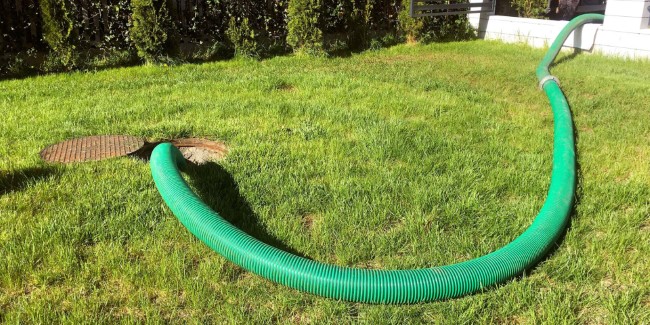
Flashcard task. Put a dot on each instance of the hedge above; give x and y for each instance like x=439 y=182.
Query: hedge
x=79 y=34
x=59 y=32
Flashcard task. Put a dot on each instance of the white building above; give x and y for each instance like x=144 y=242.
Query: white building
x=624 y=33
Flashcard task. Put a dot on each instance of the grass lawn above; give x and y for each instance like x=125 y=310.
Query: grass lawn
x=408 y=157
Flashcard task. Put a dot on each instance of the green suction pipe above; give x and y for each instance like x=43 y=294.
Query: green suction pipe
x=389 y=286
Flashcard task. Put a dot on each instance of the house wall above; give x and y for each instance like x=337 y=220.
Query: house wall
x=624 y=33
x=626 y=30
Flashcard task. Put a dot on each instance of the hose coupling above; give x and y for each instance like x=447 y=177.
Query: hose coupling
x=548 y=78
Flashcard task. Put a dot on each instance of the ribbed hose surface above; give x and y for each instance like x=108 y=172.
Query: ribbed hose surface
x=386 y=286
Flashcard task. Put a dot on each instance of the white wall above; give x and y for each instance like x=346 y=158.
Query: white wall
x=536 y=32
x=625 y=31
x=627 y=15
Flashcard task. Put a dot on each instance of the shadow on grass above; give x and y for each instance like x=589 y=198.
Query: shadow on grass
x=218 y=189
x=566 y=58
x=16 y=180
x=38 y=73
x=349 y=52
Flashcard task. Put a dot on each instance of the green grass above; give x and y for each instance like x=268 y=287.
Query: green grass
x=413 y=156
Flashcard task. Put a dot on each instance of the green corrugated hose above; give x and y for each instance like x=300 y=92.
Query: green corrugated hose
x=389 y=286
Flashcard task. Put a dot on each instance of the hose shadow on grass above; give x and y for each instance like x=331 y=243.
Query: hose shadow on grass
x=218 y=189
x=566 y=58
x=16 y=180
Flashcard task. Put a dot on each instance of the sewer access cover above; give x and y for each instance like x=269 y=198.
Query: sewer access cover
x=92 y=148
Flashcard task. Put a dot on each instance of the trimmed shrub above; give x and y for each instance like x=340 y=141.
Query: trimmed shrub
x=152 y=31
x=359 y=25
x=58 y=33
x=304 y=33
x=430 y=29
x=347 y=24
x=354 y=25
x=410 y=28
x=530 y=8
x=242 y=36
x=216 y=51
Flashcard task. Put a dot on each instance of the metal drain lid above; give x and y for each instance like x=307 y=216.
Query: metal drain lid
x=92 y=148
